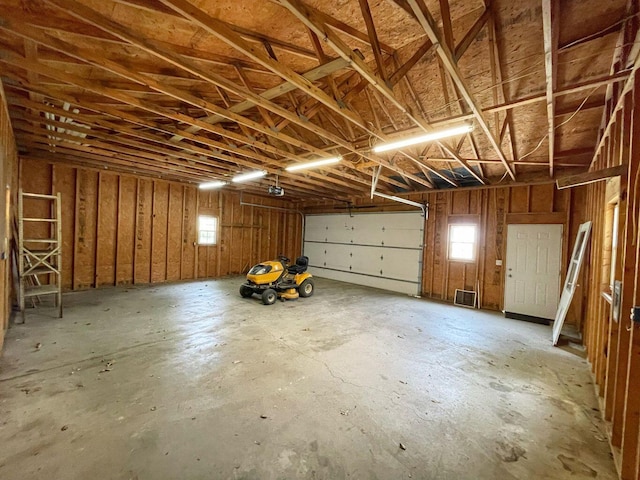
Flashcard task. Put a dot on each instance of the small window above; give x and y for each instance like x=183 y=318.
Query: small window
x=462 y=242
x=207 y=230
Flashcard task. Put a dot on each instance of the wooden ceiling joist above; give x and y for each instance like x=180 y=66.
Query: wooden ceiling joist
x=550 y=28
x=202 y=91
x=100 y=21
x=312 y=21
x=221 y=31
x=373 y=39
x=313 y=75
x=221 y=147
x=446 y=56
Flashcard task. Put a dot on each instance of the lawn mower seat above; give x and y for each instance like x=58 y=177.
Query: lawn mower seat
x=301 y=265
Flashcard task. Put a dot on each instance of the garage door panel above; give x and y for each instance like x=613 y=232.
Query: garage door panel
x=408 y=288
x=366 y=260
x=398 y=264
x=315 y=252
x=337 y=256
x=378 y=249
x=338 y=230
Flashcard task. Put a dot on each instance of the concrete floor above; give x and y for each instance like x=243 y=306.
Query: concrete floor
x=191 y=381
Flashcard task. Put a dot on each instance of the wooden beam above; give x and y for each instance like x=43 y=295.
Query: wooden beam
x=447 y=28
x=373 y=39
x=87 y=55
x=98 y=20
x=471 y=34
x=256 y=37
x=590 y=177
x=428 y=24
x=153 y=48
x=550 y=27
x=628 y=87
x=276 y=169
x=221 y=31
x=528 y=100
x=217 y=147
x=346 y=29
x=322 y=71
x=410 y=63
x=312 y=21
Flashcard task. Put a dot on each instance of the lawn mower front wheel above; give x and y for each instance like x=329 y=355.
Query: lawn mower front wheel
x=269 y=296
x=306 y=288
x=245 y=291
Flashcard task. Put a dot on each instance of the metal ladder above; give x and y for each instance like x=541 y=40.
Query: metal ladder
x=40 y=254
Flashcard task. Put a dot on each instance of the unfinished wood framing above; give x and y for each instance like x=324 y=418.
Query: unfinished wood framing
x=128 y=230
x=124 y=107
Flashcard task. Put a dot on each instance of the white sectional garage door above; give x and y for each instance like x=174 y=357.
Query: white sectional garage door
x=382 y=250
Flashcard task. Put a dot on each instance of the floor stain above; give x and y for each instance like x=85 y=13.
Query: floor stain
x=510 y=452
x=500 y=387
x=576 y=467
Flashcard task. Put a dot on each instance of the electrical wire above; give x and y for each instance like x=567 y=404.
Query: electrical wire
x=559 y=125
x=635 y=200
x=521 y=74
x=596 y=34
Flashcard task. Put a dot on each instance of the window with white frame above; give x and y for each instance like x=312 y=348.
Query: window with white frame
x=207 y=230
x=462 y=242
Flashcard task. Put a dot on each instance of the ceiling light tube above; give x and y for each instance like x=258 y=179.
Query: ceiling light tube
x=245 y=177
x=315 y=163
x=429 y=137
x=210 y=185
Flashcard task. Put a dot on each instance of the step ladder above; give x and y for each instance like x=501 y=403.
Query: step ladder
x=40 y=253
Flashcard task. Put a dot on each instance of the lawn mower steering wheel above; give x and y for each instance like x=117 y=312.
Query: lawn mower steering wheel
x=284 y=259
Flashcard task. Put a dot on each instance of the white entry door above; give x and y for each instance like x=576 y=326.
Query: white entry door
x=533 y=265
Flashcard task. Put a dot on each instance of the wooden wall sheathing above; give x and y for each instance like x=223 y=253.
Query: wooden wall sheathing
x=120 y=229
x=614 y=347
x=491 y=209
x=8 y=178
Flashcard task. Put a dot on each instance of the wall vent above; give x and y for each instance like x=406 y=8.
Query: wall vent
x=465 y=298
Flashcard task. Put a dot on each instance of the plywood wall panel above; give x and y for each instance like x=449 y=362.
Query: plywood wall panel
x=189 y=238
x=107 y=235
x=86 y=203
x=65 y=184
x=122 y=229
x=126 y=230
x=35 y=207
x=438 y=222
x=542 y=198
x=9 y=179
x=159 y=232
x=460 y=203
x=519 y=200
x=174 y=237
x=492 y=273
x=489 y=209
x=142 y=254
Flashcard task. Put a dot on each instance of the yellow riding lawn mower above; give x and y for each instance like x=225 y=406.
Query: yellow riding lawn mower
x=277 y=279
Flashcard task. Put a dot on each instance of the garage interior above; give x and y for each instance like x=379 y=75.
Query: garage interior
x=461 y=174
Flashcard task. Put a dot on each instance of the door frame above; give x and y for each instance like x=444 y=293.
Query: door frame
x=522 y=316
x=561 y=218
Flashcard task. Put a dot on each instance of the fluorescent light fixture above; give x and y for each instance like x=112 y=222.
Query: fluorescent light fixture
x=210 y=185
x=429 y=137
x=313 y=164
x=245 y=177
x=399 y=199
